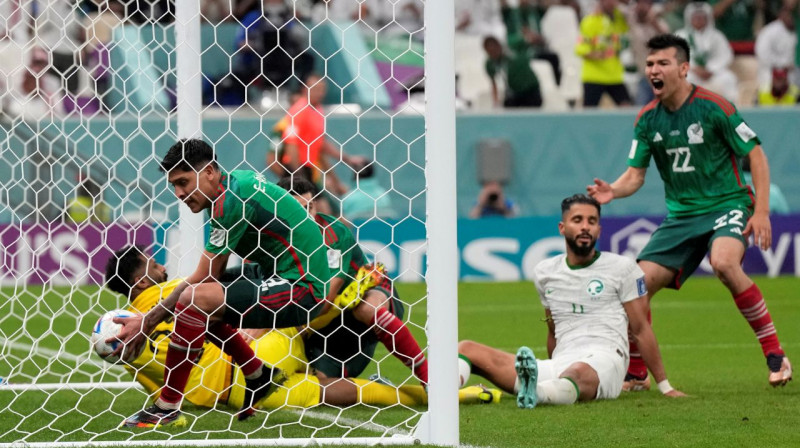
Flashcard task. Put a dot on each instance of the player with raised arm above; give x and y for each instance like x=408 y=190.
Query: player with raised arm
x=590 y=299
x=256 y=220
x=345 y=346
x=217 y=381
x=698 y=140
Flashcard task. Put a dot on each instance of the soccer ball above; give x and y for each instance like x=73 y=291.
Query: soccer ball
x=105 y=328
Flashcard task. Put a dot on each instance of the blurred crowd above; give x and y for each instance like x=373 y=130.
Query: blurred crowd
x=555 y=54
x=573 y=53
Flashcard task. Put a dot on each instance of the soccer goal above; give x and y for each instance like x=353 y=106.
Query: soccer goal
x=92 y=95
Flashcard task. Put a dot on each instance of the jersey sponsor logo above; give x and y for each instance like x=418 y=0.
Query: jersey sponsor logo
x=695 y=133
x=218 y=237
x=271 y=283
x=595 y=288
x=634 y=144
x=674 y=133
x=641 y=286
x=658 y=137
x=548 y=291
x=334 y=258
x=744 y=132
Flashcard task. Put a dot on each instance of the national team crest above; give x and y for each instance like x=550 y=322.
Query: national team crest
x=695 y=133
x=595 y=288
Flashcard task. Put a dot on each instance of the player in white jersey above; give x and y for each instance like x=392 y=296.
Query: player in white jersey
x=590 y=299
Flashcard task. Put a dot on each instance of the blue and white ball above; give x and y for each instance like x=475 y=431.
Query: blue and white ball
x=105 y=328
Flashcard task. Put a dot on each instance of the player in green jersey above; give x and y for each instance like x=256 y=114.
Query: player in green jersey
x=345 y=346
x=253 y=219
x=698 y=141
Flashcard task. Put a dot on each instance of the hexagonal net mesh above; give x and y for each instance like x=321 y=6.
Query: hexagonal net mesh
x=143 y=144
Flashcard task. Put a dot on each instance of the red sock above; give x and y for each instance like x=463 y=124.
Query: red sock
x=235 y=346
x=187 y=339
x=751 y=304
x=400 y=342
x=637 y=366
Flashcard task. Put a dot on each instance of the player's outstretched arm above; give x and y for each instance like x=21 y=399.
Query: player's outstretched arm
x=627 y=184
x=135 y=329
x=642 y=333
x=759 y=224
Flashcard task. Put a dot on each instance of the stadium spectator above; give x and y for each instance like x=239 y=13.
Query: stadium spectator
x=143 y=282
x=88 y=204
x=492 y=201
x=37 y=94
x=644 y=19
x=344 y=347
x=271 y=51
x=479 y=18
x=404 y=17
x=599 y=45
x=710 y=52
x=216 y=11
x=58 y=30
x=693 y=134
x=589 y=298
x=514 y=70
x=779 y=91
x=306 y=150
x=291 y=290
x=673 y=13
x=776 y=45
x=736 y=19
x=99 y=27
x=369 y=198
x=523 y=28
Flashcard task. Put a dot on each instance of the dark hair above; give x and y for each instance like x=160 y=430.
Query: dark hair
x=298 y=185
x=491 y=39
x=567 y=203
x=664 y=41
x=120 y=268
x=188 y=155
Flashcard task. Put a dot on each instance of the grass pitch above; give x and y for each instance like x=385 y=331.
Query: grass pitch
x=709 y=352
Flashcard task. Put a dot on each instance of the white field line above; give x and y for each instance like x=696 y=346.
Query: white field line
x=57 y=354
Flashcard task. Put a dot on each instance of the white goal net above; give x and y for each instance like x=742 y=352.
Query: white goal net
x=92 y=95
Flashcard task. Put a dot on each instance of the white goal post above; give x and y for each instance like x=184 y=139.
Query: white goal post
x=60 y=143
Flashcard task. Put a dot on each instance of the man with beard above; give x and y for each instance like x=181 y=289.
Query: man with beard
x=699 y=141
x=590 y=298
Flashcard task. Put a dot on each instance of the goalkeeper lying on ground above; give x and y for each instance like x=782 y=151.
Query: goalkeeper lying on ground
x=217 y=380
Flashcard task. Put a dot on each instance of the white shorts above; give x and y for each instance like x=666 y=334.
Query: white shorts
x=610 y=366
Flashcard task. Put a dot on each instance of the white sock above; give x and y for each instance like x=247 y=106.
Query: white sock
x=464 y=370
x=560 y=391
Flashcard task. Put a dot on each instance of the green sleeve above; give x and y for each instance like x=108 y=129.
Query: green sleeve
x=640 y=153
x=229 y=226
x=735 y=132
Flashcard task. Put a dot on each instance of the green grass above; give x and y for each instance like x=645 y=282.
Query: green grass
x=709 y=352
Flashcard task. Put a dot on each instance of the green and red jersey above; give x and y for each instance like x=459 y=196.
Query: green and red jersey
x=259 y=221
x=697 y=150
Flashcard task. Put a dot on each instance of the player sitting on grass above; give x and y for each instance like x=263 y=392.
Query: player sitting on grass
x=345 y=346
x=217 y=381
x=590 y=298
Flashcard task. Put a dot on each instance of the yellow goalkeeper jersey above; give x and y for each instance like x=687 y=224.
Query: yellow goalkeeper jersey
x=216 y=379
